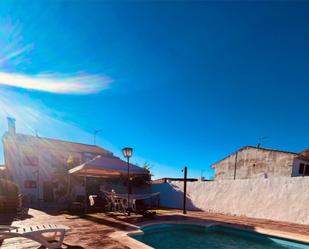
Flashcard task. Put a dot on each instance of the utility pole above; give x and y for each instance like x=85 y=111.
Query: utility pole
x=235 y=166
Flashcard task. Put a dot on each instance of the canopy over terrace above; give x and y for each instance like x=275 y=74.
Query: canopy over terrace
x=107 y=166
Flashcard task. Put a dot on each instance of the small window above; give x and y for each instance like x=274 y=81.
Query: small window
x=307 y=170
x=31 y=160
x=56 y=163
x=301 y=168
x=88 y=157
x=76 y=161
x=30 y=184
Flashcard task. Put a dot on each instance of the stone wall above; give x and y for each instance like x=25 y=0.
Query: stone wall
x=254 y=162
x=282 y=199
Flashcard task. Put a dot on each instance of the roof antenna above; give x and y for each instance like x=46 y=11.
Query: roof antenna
x=36 y=132
x=261 y=139
x=202 y=177
x=95 y=132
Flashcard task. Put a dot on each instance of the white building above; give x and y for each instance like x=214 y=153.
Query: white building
x=255 y=162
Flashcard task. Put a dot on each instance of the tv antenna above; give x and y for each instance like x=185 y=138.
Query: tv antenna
x=202 y=173
x=261 y=139
x=95 y=132
x=36 y=132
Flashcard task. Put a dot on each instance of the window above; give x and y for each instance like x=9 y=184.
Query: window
x=303 y=169
x=73 y=161
x=58 y=163
x=76 y=161
x=55 y=164
x=307 y=170
x=30 y=184
x=31 y=160
x=88 y=157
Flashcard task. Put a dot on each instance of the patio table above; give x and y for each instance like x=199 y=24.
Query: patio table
x=134 y=197
x=137 y=196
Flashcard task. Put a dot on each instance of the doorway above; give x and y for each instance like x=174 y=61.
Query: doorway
x=48 y=192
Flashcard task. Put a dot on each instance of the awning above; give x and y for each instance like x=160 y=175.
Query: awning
x=107 y=166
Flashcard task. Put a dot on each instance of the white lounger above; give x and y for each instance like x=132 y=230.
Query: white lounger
x=36 y=233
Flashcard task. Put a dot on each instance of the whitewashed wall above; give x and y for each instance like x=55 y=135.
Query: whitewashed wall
x=282 y=199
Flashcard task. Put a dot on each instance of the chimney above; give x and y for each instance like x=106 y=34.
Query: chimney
x=11 y=126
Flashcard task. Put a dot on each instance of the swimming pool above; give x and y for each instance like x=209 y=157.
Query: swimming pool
x=175 y=236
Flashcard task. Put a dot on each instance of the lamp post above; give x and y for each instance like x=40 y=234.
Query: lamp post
x=127 y=153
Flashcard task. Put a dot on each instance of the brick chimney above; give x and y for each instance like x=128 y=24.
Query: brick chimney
x=11 y=126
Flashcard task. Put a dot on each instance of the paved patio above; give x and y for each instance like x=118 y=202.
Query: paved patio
x=96 y=230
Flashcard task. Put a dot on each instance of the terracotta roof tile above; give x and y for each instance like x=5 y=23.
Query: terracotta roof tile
x=55 y=144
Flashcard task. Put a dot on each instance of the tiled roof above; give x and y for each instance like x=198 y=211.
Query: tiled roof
x=305 y=153
x=107 y=166
x=55 y=144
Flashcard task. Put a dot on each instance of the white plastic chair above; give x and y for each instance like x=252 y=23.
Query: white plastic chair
x=37 y=233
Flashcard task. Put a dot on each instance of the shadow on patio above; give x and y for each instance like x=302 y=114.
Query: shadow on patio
x=93 y=230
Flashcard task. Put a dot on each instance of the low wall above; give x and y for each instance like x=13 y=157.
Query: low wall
x=282 y=199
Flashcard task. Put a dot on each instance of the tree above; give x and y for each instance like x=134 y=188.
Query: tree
x=144 y=179
x=61 y=178
x=61 y=175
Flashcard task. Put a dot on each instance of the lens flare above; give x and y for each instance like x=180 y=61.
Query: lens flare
x=68 y=84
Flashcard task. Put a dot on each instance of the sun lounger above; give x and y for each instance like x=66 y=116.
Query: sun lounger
x=37 y=233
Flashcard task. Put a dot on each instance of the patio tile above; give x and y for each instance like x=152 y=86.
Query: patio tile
x=94 y=230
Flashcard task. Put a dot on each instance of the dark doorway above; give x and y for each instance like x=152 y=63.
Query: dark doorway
x=48 y=193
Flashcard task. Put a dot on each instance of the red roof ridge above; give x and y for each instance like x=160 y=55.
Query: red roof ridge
x=59 y=140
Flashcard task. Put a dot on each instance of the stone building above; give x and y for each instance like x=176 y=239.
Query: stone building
x=255 y=162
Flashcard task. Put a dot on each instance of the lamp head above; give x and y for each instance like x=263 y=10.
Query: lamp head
x=127 y=152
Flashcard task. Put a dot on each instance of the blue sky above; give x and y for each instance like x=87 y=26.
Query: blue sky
x=183 y=83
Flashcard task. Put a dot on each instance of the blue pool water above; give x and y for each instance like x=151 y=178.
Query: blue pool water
x=170 y=236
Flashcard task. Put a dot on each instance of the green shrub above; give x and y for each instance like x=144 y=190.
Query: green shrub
x=8 y=189
x=9 y=196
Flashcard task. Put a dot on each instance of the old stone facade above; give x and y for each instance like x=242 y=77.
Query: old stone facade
x=253 y=162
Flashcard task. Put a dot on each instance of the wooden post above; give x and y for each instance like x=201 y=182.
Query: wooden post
x=185 y=190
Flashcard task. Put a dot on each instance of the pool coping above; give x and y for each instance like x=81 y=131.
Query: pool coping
x=125 y=238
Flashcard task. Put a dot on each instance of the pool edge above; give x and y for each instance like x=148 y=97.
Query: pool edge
x=125 y=236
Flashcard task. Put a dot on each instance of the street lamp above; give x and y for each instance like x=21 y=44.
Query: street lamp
x=127 y=153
